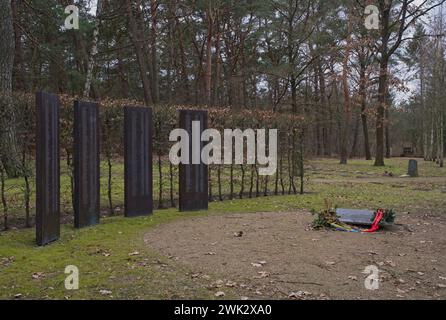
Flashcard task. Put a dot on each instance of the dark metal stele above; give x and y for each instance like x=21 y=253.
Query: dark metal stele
x=138 y=145
x=86 y=164
x=47 y=168
x=193 y=177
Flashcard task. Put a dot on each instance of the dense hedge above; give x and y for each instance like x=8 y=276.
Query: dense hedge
x=225 y=181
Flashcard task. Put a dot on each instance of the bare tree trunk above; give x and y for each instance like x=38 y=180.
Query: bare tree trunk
x=216 y=96
x=9 y=153
x=160 y=172
x=123 y=73
x=109 y=184
x=171 y=57
x=27 y=189
x=3 y=195
x=382 y=91
x=153 y=51
x=19 y=73
x=324 y=106
x=183 y=69
x=172 y=201
x=387 y=132
x=137 y=40
x=441 y=138
x=242 y=183
x=94 y=50
x=385 y=9
x=346 y=112
x=220 y=196
x=424 y=113
x=81 y=57
x=208 y=70
x=354 y=150
x=363 y=97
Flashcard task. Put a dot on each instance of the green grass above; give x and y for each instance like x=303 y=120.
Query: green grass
x=330 y=168
x=315 y=169
x=102 y=252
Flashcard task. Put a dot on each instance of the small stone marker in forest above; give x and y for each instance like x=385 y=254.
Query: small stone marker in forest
x=413 y=168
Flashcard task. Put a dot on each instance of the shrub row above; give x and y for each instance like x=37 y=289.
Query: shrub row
x=225 y=181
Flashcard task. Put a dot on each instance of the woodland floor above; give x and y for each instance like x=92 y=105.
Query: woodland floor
x=171 y=255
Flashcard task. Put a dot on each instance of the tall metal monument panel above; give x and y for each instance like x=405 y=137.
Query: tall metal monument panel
x=193 y=177
x=47 y=168
x=86 y=164
x=138 y=146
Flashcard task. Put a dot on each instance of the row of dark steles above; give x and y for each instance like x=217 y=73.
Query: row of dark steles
x=138 y=184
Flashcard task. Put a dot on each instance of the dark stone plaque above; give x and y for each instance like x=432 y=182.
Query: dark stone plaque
x=358 y=217
x=193 y=177
x=86 y=164
x=413 y=168
x=138 y=135
x=354 y=216
x=47 y=168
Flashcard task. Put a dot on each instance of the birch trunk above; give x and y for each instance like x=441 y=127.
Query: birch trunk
x=94 y=50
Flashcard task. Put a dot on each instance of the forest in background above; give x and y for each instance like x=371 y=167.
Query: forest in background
x=361 y=93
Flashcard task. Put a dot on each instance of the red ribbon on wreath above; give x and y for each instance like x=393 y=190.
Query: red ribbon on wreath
x=375 y=225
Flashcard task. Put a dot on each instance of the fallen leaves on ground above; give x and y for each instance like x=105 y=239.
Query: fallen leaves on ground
x=38 y=275
x=6 y=261
x=299 y=295
x=105 y=292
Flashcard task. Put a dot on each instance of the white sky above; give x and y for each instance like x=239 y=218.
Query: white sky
x=93 y=7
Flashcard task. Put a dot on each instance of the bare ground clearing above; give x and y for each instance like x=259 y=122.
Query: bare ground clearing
x=278 y=256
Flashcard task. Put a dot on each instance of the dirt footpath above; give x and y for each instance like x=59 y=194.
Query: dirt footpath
x=277 y=256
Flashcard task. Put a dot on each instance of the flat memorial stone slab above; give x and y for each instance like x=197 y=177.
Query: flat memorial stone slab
x=357 y=217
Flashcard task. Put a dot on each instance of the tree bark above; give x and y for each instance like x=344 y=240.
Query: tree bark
x=382 y=91
x=387 y=133
x=94 y=51
x=153 y=51
x=354 y=150
x=363 y=97
x=383 y=81
x=19 y=72
x=346 y=112
x=9 y=153
x=136 y=39
x=208 y=70
x=215 y=95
